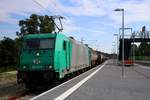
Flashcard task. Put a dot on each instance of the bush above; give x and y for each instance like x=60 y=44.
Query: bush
x=9 y=53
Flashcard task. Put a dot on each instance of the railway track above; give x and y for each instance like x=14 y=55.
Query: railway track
x=26 y=94
x=18 y=95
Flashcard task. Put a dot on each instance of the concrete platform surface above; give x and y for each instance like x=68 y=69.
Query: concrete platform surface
x=106 y=84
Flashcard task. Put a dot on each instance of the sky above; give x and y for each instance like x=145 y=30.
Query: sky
x=93 y=21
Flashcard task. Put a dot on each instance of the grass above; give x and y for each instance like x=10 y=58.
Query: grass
x=7 y=76
x=144 y=58
x=7 y=69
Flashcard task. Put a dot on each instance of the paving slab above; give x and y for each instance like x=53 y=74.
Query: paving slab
x=55 y=92
x=106 y=84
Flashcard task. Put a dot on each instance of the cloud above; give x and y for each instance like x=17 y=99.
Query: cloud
x=22 y=7
x=84 y=18
x=69 y=26
x=135 y=11
x=85 y=8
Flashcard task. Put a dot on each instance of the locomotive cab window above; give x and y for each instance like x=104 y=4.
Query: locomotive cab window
x=64 y=45
x=47 y=43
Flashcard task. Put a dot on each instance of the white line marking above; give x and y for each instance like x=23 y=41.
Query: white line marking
x=75 y=87
x=59 y=85
x=142 y=66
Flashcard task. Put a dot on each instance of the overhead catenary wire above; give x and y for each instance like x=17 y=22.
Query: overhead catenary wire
x=56 y=11
x=53 y=17
x=46 y=8
x=55 y=7
x=41 y=6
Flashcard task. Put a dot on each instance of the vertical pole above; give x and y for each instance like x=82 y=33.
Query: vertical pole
x=82 y=40
x=133 y=47
x=122 y=43
x=117 y=49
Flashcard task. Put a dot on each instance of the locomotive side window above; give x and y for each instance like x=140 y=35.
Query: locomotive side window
x=64 y=45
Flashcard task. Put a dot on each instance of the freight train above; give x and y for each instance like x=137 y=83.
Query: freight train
x=48 y=57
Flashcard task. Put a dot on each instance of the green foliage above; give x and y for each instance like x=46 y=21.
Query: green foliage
x=36 y=24
x=144 y=48
x=46 y=24
x=7 y=68
x=136 y=49
x=146 y=58
x=142 y=51
x=9 y=52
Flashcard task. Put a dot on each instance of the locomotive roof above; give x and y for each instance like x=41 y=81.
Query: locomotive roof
x=51 y=35
x=41 y=35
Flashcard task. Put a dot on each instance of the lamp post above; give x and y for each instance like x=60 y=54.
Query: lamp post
x=122 y=10
x=133 y=49
x=117 y=46
x=113 y=52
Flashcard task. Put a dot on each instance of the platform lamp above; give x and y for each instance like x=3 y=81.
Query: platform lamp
x=122 y=10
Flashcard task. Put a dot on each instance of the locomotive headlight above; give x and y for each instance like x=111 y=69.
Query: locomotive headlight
x=38 y=54
x=49 y=66
x=24 y=67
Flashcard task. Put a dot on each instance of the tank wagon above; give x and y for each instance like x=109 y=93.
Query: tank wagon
x=94 y=57
x=48 y=57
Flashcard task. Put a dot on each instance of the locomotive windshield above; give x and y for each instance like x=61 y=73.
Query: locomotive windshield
x=39 y=43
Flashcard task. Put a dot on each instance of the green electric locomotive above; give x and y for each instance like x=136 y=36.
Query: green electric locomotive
x=47 y=57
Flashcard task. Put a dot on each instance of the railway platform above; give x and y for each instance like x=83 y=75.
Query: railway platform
x=104 y=82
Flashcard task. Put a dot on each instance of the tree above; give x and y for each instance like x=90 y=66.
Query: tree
x=143 y=48
x=8 y=52
x=134 y=48
x=46 y=24
x=36 y=24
